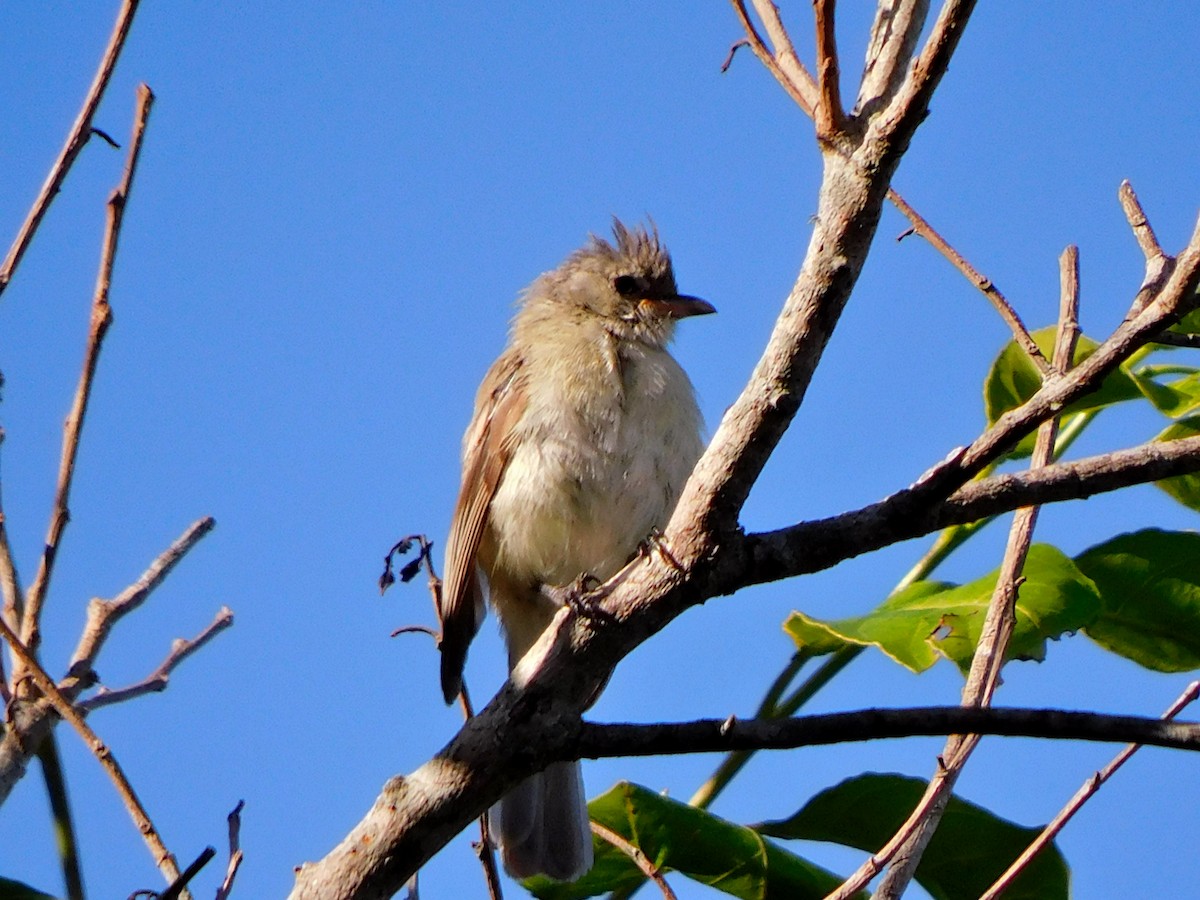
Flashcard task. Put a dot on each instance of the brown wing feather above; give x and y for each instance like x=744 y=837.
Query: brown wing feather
x=489 y=445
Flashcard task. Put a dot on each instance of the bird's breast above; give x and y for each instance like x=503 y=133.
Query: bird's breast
x=602 y=454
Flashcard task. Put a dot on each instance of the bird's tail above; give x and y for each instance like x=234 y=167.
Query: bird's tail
x=542 y=825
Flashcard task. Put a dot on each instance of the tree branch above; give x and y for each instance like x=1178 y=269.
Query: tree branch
x=817 y=545
x=894 y=35
x=100 y=319
x=1190 y=694
x=163 y=858
x=984 y=284
x=104 y=614
x=829 y=117
x=594 y=740
x=784 y=63
x=157 y=681
x=76 y=139
x=910 y=842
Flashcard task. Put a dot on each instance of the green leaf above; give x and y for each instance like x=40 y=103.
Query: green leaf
x=1013 y=379
x=731 y=858
x=931 y=619
x=1173 y=398
x=970 y=849
x=1184 y=488
x=16 y=890
x=1149 y=584
x=1189 y=324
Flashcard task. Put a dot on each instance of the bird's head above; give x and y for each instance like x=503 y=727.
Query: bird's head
x=628 y=283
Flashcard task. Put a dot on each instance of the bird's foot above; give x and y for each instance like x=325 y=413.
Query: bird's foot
x=579 y=596
x=655 y=542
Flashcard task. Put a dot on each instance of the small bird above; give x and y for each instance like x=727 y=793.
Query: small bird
x=584 y=432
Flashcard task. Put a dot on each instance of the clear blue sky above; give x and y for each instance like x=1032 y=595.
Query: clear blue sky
x=336 y=208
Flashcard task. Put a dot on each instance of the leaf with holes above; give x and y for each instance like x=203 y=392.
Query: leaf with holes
x=931 y=619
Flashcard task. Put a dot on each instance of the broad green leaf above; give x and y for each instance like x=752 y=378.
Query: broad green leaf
x=16 y=890
x=1172 y=398
x=1189 y=324
x=1184 y=488
x=931 y=619
x=970 y=849
x=731 y=858
x=1013 y=379
x=1149 y=584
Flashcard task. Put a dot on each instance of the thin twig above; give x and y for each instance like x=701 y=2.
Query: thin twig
x=733 y=48
x=600 y=740
x=78 y=137
x=1158 y=264
x=178 y=887
x=102 y=615
x=33 y=669
x=649 y=869
x=894 y=35
x=1142 y=230
x=984 y=284
x=783 y=64
x=1089 y=788
x=100 y=319
x=803 y=89
x=10 y=582
x=424 y=560
x=235 y=851
x=1175 y=339
x=829 y=118
x=908 y=845
x=157 y=681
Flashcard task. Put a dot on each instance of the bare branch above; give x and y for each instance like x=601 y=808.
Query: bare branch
x=100 y=320
x=649 y=869
x=78 y=137
x=894 y=35
x=984 y=284
x=10 y=583
x=157 y=681
x=235 y=851
x=178 y=887
x=104 y=614
x=1158 y=264
x=926 y=72
x=1090 y=787
x=1142 y=229
x=911 y=840
x=829 y=117
x=45 y=684
x=783 y=63
x=594 y=740
x=814 y=546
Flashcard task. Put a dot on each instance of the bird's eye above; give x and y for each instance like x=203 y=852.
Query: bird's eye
x=625 y=285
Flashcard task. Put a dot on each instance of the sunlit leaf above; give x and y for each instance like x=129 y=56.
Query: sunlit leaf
x=1172 y=398
x=674 y=836
x=931 y=619
x=970 y=849
x=1184 y=488
x=1013 y=379
x=1149 y=584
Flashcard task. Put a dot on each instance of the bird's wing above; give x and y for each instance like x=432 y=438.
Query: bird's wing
x=488 y=448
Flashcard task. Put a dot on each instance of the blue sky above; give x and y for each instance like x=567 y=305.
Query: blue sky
x=335 y=210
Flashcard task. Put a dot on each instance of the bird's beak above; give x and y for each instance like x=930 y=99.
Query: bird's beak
x=679 y=307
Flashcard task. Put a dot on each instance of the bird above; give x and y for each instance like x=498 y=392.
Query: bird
x=584 y=432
